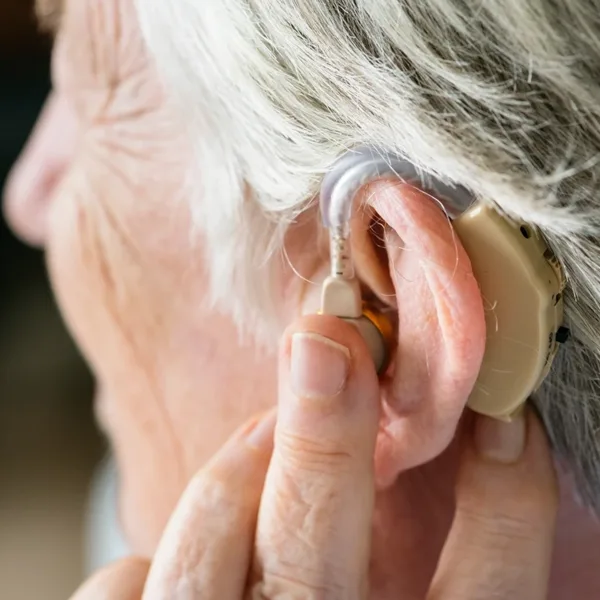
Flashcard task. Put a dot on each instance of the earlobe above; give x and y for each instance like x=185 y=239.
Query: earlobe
x=441 y=328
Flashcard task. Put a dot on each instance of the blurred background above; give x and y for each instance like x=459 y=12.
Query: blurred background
x=49 y=445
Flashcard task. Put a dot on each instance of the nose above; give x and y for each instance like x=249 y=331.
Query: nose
x=34 y=177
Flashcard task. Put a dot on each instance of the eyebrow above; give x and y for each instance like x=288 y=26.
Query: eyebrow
x=49 y=14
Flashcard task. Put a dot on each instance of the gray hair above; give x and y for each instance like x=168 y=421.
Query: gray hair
x=501 y=97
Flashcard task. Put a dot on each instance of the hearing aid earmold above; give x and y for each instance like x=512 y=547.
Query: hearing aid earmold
x=520 y=279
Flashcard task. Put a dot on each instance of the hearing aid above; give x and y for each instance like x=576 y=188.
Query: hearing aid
x=520 y=279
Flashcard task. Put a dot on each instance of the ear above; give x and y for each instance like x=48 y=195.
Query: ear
x=441 y=326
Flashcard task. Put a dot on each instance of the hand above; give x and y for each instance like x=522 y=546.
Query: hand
x=294 y=519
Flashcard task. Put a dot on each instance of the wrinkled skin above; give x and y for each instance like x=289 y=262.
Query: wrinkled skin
x=100 y=187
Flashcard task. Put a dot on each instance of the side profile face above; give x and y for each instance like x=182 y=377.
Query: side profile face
x=104 y=187
x=100 y=186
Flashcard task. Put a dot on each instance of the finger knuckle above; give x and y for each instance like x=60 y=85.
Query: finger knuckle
x=209 y=487
x=502 y=524
x=534 y=501
x=295 y=584
x=312 y=454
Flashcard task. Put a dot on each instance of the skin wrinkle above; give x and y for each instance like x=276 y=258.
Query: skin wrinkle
x=97 y=255
x=112 y=138
x=118 y=148
x=95 y=63
x=302 y=527
x=126 y=242
x=130 y=113
x=308 y=453
x=284 y=581
x=307 y=517
x=105 y=16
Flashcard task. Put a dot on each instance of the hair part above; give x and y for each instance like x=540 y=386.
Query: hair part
x=502 y=98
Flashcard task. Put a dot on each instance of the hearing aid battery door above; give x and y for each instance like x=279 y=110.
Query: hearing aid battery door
x=521 y=288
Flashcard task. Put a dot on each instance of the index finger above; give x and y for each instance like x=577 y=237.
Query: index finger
x=314 y=526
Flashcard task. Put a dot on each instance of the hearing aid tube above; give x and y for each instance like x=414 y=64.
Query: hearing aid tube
x=341 y=291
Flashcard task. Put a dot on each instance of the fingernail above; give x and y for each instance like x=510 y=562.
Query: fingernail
x=319 y=366
x=500 y=441
x=261 y=435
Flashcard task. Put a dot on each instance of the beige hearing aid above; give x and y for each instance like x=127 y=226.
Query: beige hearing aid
x=520 y=279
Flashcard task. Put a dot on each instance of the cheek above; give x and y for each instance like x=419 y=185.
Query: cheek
x=112 y=304
x=78 y=272
x=131 y=285
x=89 y=274
x=116 y=251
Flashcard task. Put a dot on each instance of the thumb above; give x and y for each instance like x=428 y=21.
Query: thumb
x=314 y=528
x=122 y=580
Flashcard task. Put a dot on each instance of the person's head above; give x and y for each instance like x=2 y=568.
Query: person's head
x=179 y=217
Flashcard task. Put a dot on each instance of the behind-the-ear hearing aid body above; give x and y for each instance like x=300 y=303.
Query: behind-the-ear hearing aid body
x=520 y=279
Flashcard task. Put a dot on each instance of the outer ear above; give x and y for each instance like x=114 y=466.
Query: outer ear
x=441 y=328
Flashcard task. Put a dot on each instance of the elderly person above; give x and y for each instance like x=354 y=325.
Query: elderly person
x=171 y=181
